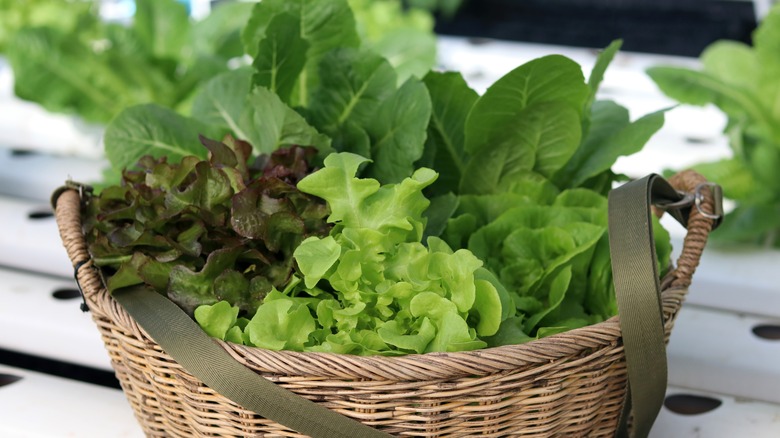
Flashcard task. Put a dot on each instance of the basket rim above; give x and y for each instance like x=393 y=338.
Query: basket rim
x=605 y=335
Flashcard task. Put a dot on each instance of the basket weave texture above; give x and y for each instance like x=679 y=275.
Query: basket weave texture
x=569 y=385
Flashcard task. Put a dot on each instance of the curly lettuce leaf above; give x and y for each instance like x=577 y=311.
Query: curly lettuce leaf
x=371 y=286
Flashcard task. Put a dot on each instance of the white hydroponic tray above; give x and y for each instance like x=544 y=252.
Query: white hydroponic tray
x=40 y=316
x=43 y=406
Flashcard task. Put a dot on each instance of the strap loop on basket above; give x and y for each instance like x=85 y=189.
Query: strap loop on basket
x=696 y=198
x=717 y=196
x=83 y=306
x=84 y=190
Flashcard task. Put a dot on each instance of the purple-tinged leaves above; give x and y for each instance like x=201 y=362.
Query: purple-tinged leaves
x=201 y=231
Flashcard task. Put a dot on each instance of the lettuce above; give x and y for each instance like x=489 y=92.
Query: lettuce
x=330 y=88
x=529 y=163
x=371 y=286
x=444 y=221
x=202 y=231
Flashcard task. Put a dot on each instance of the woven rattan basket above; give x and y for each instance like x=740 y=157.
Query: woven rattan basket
x=571 y=385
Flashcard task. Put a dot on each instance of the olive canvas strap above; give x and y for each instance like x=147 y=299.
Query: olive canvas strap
x=637 y=288
x=201 y=356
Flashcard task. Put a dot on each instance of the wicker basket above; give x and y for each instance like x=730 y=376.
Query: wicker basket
x=571 y=384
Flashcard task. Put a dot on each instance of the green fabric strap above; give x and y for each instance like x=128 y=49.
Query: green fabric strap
x=635 y=275
x=193 y=349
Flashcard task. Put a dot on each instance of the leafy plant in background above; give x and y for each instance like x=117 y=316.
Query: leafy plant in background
x=402 y=36
x=744 y=83
x=446 y=7
x=67 y=16
x=95 y=69
x=523 y=171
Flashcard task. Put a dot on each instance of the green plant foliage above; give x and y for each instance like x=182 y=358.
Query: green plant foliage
x=205 y=230
x=458 y=221
x=371 y=286
x=95 y=69
x=744 y=83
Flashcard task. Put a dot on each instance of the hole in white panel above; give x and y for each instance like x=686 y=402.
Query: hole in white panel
x=475 y=75
x=7 y=379
x=477 y=41
x=698 y=140
x=40 y=214
x=66 y=294
x=22 y=153
x=767 y=331
x=687 y=404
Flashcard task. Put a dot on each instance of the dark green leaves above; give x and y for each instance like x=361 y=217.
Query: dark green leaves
x=352 y=84
x=611 y=135
x=357 y=102
x=222 y=101
x=156 y=131
x=269 y=124
x=597 y=74
x=281 y=56
x=324 y=26
x=541 y=139
x=541 y=118
x=259 y=116
x=451 y=102
x=397 y=132
x=552 y=78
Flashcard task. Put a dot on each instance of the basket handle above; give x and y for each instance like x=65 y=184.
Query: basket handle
x=636 y=280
